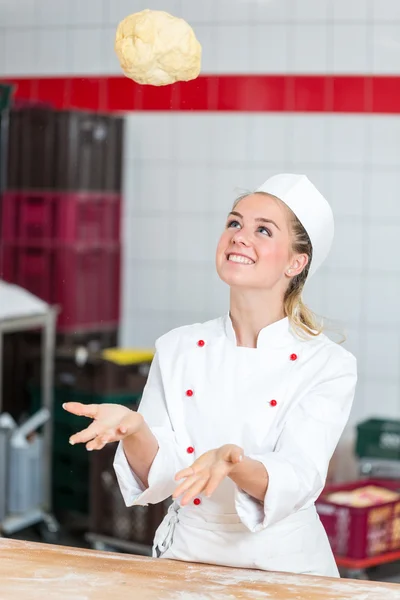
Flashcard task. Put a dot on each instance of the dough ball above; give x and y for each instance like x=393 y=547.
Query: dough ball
x=156 y=48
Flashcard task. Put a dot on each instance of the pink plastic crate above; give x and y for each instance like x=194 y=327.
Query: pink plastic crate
x=84 y=281
x=38 y=218
x=359 y=533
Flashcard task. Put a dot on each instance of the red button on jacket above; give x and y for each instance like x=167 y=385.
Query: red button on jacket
x=190 y=450
x=273 y=403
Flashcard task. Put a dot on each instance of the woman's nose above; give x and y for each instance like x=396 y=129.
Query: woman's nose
x=241 y=238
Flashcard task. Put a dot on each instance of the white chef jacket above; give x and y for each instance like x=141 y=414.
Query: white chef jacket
x=285 y=403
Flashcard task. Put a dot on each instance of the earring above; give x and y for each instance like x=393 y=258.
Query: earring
x=289 y=271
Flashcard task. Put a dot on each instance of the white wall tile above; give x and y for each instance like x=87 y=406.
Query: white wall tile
x=50 y=13
x=215 y=228
x=352 y=342
x=383 y=243
x=116 y=10
x=350 y=48
x=192 y=238
x=233 y=49
x=268 y=137
x=109 y=58
x=385 y=10
x=192 y=189
x=206 y=34
x=273 y=11
x=129 y=185
x=347 y=250
x=20 y=51
x=180 y=318
x=384 y=195
x=133 y=134
x=228 y=11
x=150 y=283
x=229 y=138
x=227 y=183
x=310 y=10
x=89 y=12
x=142 y=329
x=150 y=238
x=384 y=136
x=52 y=53
x=309 y=139
x=308 y=50
x=347 y=193
x=314 y=293
x=192 y=138
x=152 y=136
x=188 y=288
x=382 y=299
x=355 y=10
x=343 y=307
x=217 y=294
x=347 y=140
x=383 y=355
x=3 y=58
x=86 y=51
x=154 y=188
x=253 y=177
x=196 y=12
x=269 y=48
x=381 y=399
x=385 y=48
x=17 y=14
x=357 y=415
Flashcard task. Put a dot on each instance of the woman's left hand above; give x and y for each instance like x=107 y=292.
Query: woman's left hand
x=207 y=472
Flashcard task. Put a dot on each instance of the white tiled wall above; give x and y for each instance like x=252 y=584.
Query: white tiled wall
x=246 y=36
x=182 y=171
x=177 y=201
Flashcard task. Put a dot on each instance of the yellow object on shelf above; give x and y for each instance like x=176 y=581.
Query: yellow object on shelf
x=128 y=356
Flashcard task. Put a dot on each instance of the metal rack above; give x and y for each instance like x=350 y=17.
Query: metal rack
x=41 y=516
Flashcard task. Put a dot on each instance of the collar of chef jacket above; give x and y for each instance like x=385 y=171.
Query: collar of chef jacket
x=276 y=335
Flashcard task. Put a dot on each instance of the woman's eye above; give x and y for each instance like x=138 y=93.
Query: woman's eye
x=233 y=224
x=264 y=231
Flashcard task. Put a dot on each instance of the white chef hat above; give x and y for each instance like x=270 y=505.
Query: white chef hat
x=311 y=209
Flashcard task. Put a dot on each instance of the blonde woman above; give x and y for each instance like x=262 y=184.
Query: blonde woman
x=241 y=415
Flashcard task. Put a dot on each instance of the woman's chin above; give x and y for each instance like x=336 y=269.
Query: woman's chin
x=234 y=279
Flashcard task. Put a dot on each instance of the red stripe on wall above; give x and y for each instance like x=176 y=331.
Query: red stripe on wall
x=238 y=93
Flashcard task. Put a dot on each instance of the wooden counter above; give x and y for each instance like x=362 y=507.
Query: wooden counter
x=31 y=571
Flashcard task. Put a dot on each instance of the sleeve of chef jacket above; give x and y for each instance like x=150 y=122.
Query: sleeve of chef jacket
x=298 y=466
x=169 y=459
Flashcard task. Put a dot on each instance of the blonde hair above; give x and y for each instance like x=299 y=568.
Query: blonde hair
x=302 y=319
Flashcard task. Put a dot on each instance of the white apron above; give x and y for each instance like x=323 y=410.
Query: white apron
x=225 y=541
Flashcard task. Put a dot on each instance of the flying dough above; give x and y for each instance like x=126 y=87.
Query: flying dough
x=156 y=48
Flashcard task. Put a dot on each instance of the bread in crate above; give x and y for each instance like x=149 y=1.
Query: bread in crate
x=362 y=518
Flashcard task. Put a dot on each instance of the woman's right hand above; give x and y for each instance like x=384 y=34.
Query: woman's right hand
x=111 y=423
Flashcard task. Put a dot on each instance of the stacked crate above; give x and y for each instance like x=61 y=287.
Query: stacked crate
x=378 y=448
x=60 y=239
x=93 y=380
x=5 y=101
x=60 y=231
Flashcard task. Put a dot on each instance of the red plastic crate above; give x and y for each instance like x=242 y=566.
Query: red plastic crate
x=359 y=533
x=84 y=281
x=37 y=218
